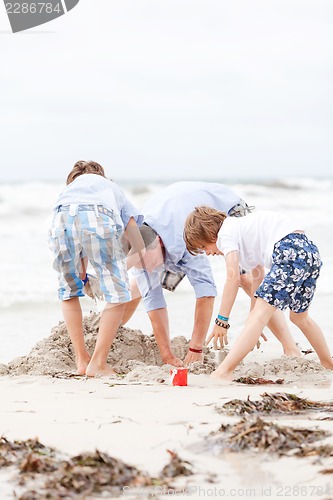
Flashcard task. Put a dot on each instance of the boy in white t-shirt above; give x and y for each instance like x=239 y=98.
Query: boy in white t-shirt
x=255 y=242
x=92 y=222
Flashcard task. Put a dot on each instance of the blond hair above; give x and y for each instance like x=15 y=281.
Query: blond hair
x=202 y=226
x=84 y=167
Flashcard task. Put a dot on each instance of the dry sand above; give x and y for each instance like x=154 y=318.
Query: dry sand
x=137 y=356
x=138 y=415
x=131 y=348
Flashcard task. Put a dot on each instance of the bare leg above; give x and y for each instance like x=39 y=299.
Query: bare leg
x=245 y=342
x=72 y=313
x=131 y=306
x=108 y=326
x=160 y=324
x=278 y=325
x=314 y=335
x=246 y=283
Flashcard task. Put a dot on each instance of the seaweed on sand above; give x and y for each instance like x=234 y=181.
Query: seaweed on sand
x=258 y=381
x=45 y=474
x=30 y=454
x=254 y=434
x=176 y=466
x=277 y=403
x=322 y=451
x=94 y=473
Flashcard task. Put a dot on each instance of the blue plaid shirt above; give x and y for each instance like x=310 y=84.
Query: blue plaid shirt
x=166 y=213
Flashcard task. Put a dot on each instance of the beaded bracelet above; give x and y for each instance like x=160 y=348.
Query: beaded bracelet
x=222 y=325
x=198 y=351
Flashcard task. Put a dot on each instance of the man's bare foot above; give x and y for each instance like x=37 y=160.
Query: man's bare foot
x=99 y=371
x=292 y=352
x=223 y=377
x=172 y=360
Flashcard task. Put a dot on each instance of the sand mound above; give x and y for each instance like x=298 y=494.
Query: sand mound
x=131 y=352
x=290 y=369
x=136 y=356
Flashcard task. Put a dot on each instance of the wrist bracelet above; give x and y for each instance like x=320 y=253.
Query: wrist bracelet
x=86 y=279
x=222 y=318
x=222 y=325
x=198 y=351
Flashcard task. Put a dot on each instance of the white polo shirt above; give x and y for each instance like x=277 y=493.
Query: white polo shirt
x=254 y=236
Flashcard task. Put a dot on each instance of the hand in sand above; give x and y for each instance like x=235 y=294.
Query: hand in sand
x=168 y=358
x=192 y=357
x=258 y=344
x=173 y=361
x=220 y=336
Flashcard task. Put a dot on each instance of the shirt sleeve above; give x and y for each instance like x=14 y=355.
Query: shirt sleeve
x=128 y=210
x=197 y=269
x=226 y=244
x=150 y=288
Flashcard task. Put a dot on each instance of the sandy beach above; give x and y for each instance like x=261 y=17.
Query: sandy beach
x=137 y=416
x=157 y=92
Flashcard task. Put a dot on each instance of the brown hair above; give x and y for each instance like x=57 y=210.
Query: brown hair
x=84 y=167
x=202 y=226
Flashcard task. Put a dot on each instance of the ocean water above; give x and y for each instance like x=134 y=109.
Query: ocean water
x=29 y=306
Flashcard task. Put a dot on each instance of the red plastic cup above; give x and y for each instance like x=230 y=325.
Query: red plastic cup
x=179 y=376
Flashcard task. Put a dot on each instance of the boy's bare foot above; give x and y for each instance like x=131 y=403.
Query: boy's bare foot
x=81 y=365
x=99 y=371
x=328 y=365
x=292 y=352
x=221 y=376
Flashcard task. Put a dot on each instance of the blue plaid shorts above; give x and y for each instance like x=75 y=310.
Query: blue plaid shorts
x=291 y=281
x=88 y=231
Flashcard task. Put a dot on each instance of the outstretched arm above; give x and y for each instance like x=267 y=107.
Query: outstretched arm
x=202 y=317
x=160 y=323
x=231 y=287
x=136 y=243
x=199 y=274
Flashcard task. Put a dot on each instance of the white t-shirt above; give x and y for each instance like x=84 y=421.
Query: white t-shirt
x=97 y=190
x=254 y=236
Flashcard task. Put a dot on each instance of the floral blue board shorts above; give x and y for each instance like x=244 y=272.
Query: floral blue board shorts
x=88 y=231
x=291 y=281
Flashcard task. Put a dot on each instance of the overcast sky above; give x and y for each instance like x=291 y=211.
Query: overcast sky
x=173 y=89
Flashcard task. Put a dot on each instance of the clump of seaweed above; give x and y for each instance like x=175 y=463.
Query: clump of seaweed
x=326 y=471
x=176 y=467
x=255 y=434
x=323 y=451
x=93 y=473
x=258 y=381
x=49 y=476
x=24 y=453
x=280 y=402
